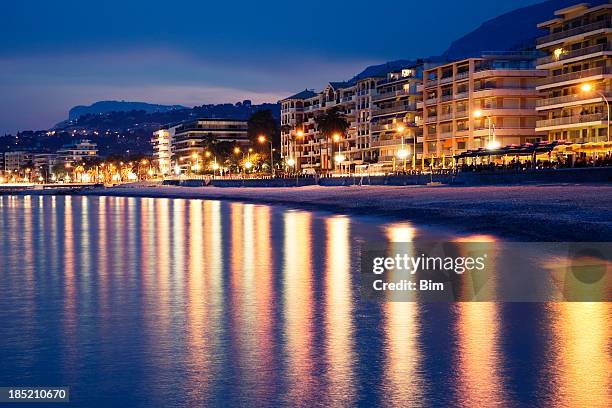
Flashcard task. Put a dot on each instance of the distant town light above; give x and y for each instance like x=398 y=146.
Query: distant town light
x=236 y=150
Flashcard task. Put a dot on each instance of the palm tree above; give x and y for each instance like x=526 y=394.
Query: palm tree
x=330 y=123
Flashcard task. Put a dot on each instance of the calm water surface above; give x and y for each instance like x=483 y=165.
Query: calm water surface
x=161 y=302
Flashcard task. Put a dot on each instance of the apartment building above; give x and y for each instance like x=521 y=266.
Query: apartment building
x=373 y=106
x=395 y=118
x=312 y=149
x=43 y=163
x=292 y=124
x=78 y=151
x=191 y=139
x=17 y=160
x=162 y=148
x=575 y=91
x=479 y=103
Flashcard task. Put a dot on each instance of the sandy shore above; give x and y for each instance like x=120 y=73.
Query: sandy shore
x=536 y=212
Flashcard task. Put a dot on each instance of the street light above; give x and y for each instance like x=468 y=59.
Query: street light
x=402 y=154
x=262 y=139
x=589 y=88
x=492 y=144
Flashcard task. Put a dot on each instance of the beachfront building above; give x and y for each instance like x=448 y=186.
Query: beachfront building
x=78 y=151
x=394 y=119
x=16 y=161
x=43 y=164
x=313 y=149
x=578 y=63
x=380 y=111
x=292 y=127
x=162 y=148
x=478 y=103
x=191 y=140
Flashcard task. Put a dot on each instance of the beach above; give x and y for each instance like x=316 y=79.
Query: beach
x=561 y=212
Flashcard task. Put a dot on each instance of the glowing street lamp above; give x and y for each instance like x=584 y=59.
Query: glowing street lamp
x=248 y=165
x=339 y=158
x=262 y=139
x=291 y=162
x=589 y=88
x=492 y=144
x=402 y=154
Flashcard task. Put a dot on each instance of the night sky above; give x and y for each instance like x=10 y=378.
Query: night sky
x=57 y=54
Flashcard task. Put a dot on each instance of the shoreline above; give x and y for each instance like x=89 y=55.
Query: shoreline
x=562 y=212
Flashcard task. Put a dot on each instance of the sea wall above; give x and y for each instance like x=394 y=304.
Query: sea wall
x=547 y=176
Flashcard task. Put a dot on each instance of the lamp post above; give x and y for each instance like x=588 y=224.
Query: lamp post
x=492 y=144
x=589 y=88
x=402 y=154
x=299 y=134
x=262 y=139
x=335 y=139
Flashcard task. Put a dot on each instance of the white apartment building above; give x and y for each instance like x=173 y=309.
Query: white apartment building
x=192 y=139
x=162 y=148
x=78 y=151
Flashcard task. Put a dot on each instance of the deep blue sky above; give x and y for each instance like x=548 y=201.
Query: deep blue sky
x=57 y=54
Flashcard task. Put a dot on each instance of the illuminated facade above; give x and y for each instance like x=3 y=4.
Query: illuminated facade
x=579 y=66
x=395 y=118
x=162 y=148
x=478 y=103
x=374 y=107
x=191 y=139
x=78 y=151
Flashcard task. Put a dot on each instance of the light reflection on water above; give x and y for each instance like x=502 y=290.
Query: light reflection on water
x=175 y=302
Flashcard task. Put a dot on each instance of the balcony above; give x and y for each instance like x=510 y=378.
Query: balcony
x=573 y=54
x=460 y=95
x=575 y=99
x=388 y=126
x=431 y=83
x=394 y=109
x=572 y=32
x=574 y=76
x=571 y=120
x=391 y=95
x=431 y=119
x=446 y=116
x=382 y=143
